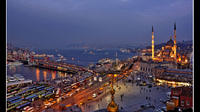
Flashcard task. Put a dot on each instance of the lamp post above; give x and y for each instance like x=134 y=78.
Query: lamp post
x=112 y=106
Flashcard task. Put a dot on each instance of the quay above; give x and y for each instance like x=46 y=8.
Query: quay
x=20 y=82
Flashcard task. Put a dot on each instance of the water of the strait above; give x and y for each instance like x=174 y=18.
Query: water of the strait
x=79 y=56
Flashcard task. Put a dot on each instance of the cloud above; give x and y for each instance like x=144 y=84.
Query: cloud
x=67 y=21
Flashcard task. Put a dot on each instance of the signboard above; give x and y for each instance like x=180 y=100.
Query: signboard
x=100 y=79
x=95 y=78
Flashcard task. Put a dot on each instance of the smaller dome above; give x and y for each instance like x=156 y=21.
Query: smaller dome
x=170 y=42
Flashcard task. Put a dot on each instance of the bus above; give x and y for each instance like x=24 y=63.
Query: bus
x=15 y=101
x=23 y=105
x=32 y=97
x=13 y=98
x=48 y=94
x=49 y=88
x=14 y=105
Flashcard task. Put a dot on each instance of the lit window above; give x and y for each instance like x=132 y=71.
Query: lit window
x=182 y=103
x=188 y=103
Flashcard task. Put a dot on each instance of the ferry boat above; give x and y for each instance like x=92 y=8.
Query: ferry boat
x=58 y=60
x=11 y=79
x=59 y=55
x=16 y=63
x=19 y=77
x=92 y=53
x=61 y=58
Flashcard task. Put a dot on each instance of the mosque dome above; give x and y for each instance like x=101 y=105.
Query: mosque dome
x=170 y=42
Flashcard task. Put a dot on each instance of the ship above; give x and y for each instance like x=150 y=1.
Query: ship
x=61 y=58
x=11 y=79
x=59 y=55
x=19 y=77
x=92 y=53
x=16 y=63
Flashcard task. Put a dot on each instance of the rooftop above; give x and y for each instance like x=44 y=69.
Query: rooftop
x=185 y=91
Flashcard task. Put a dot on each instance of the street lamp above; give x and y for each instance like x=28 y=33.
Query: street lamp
x=116 y=75
x=112 y=106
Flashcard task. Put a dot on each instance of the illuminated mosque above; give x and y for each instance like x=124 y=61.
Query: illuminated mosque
x=169 y=51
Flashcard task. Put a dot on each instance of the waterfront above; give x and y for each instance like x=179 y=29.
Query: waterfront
x=80 y=58
x=35 y=74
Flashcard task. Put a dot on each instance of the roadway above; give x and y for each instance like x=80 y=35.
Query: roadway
x=78 y=97
x=81 y=96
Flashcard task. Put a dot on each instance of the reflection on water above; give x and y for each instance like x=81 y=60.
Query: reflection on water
x=45 y=75
x=48 y=74
x=12 y=69
x=53 y=75
x=37 y=74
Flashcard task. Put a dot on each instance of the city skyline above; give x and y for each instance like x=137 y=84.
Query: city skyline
x=56 y=24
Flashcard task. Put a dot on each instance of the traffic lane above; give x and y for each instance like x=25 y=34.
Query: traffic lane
x=90 y=90
x=94 y=89
x=75 y=99
x=95 y=85
x=84 y=98
x=82 y=94
x=70 y=100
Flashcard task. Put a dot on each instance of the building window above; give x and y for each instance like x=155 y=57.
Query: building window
x=182 y=103
x=175 y=93
x=188 y=103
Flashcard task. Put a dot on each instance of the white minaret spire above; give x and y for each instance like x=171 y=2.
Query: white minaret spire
x=175 y=40
x=152 y=43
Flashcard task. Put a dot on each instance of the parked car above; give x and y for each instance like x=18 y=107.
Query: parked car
x=164 y=109
x=94 y=95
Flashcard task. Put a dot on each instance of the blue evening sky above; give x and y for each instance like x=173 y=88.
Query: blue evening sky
x=57 y=23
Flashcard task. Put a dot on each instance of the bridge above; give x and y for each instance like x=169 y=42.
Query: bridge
x=59 y=66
